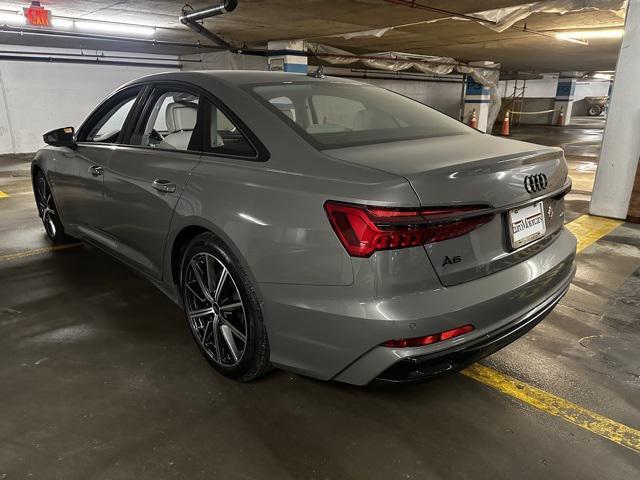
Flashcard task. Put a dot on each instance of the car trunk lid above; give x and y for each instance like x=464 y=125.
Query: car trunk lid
x=476 y=169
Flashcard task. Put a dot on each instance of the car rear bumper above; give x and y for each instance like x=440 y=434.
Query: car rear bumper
x=414 y=369
x=336 y=332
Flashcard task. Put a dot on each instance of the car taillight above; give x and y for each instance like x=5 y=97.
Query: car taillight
x=429 y=339
x=363 y=230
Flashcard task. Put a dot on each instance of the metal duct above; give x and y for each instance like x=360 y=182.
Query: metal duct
x=191 y=20
x=225 y=7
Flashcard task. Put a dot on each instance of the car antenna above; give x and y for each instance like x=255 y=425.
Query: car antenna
x=319 y=73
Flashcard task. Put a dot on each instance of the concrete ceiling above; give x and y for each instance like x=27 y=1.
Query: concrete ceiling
x=258 y=21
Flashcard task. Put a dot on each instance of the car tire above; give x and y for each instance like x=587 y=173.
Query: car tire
x=48 y=212
x=225 y=318
x=595 y=110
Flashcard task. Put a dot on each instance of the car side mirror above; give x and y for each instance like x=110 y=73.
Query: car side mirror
x=60 y=137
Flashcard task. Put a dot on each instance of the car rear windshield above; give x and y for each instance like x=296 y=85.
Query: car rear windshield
x=334 y=115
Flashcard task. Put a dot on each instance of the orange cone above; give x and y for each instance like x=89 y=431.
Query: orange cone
x=560 y=122
x=473 y=123
x=505 y=125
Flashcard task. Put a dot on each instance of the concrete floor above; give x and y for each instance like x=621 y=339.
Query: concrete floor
x=99 y=379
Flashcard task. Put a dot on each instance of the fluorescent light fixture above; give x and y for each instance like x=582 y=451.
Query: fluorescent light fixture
x=603 y=76
x=14 y=18
x=61 y=23
x=590 y=34
x=115 y=28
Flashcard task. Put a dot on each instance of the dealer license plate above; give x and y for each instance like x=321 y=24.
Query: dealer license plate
x=526 y=224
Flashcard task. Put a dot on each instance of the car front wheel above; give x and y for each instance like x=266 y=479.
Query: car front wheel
x=223 y=310
x=48 y=211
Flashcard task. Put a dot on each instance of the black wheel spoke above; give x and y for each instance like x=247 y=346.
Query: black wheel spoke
x=215 y=309
x=233 y=329
x=231 y=343
x=198 y=275
x=216 y=341
x=46 y=207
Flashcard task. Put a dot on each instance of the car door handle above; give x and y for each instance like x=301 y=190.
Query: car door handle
x=96 y=170
x=166 y=186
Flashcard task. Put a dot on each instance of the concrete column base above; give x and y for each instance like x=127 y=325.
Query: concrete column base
x=567 y=107
x=633 y=215
x=616 y=191
x=477 y=97
x=287 y=56
x=482 y=114
x=564 y=100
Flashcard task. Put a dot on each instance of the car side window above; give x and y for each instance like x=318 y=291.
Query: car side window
x=172 y=122
x=224 y=136
x=108 y=122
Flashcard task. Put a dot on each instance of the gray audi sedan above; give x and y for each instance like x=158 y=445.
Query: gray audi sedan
x=319 y=225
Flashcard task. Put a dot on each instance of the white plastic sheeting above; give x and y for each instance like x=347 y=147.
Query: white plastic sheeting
x=378 y=32
x=397 y=61
x=489 y=78
x=390 y=61
x=500 y=19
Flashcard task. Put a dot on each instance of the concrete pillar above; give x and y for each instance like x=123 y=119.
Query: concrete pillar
x=287 y=56
x=618 y=165
x=564 y=100
x=476 y=98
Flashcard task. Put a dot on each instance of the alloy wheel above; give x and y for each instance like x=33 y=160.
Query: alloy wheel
x=46 y=207
x=215 y=310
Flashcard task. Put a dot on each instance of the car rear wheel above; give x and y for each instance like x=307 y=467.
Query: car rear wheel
x=223 y=310
x=48 y=211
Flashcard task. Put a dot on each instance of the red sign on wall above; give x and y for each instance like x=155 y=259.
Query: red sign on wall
x=37 y=15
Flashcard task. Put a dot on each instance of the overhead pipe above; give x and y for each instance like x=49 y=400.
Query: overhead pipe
x=191 y=20
x=119 y=63
x=24 y=31
x=100 y=56
x=225 y=7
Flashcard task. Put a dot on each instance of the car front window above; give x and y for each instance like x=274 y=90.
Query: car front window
x=333 y=114
x=172 y=123
x=108 y=127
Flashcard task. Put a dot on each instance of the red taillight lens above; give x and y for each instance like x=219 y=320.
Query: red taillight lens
x=363 y=230
x=429 y=339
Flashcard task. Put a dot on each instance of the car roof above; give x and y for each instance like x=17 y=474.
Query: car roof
x=241 y=77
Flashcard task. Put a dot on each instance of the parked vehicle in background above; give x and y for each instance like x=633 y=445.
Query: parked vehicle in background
x=597 y=105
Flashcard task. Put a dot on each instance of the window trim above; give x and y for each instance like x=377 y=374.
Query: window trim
x=155 y=90
x=262 y=154
x=206 y=138
x=106 y=106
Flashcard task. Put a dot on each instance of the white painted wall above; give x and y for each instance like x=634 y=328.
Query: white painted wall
x=37 y=97
x=546 y=88
x=224 y=61
x=591 y=88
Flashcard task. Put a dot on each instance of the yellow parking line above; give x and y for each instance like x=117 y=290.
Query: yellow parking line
x=572 y=413
x=589 y=229
x=3 y=195
x=36 y=251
